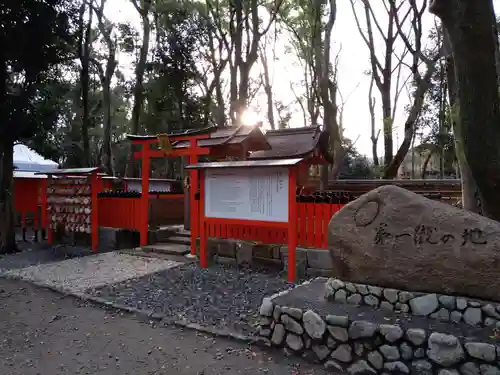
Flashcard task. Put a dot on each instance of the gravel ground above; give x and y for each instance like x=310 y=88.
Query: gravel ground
x=220 y=296
x=34 y=253
x=78 y=274
x=40 y=253
x=46 y=333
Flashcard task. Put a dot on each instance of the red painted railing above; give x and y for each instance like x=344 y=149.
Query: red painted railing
x=116 y=212
x=313 y=219
x=30 y=200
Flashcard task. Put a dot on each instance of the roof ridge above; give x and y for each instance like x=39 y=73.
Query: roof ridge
x=304 y=129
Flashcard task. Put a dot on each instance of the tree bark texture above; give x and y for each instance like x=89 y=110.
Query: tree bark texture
x=131 y=170
x=84 y=56
x=374 y=134
x=471 y=28
x=470 y=192
x=7 y=230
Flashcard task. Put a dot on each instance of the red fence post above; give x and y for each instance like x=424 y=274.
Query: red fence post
x=202 y=225
x=292 y=223
x=94 y=188
x=194 y=205
x=144 y=225
x=50 y=233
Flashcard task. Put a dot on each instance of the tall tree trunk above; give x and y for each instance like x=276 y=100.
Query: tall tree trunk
x=237 y=40
x=470 y=201
x=268 y=89
x=442 y=117
x=84 y=79
x=327 y=79
x=374 y=134
x=140 y=68
x=387 y=125
x=425 y=165
x=107 y=154
x=471 y=28
x=7 y=230
x=106 y=75
x=410 y=123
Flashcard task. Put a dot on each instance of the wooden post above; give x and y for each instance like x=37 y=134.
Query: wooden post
x=193 y=204
x=94 y=188
x=144 y=227
x=292 y=224
x=50 y=233
x=202 y=228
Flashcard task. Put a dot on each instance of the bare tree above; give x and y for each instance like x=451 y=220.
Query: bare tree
x=299 y=99
x=328 y=87
x=84 y=48
x=312 y=38
x=105 y=76
x=382 y=68
x=301 y=29
x=374 y=133
x=143 y=8
x=266 y=78
x=219 y=53
x=246 y=31
x=421 y=82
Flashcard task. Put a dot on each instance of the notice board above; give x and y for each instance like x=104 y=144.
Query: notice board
x=259 y=194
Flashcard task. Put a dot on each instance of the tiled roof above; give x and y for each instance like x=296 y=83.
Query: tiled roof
x=289 y=143
x=230 y=136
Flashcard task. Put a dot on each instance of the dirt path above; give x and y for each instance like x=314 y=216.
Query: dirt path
x=46 y=333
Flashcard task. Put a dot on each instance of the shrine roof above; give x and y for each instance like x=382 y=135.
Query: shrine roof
x=207 y=130
x=71 y=171
x=230 y=136
x=289 y=143
x=29 y=175
x=247 y=164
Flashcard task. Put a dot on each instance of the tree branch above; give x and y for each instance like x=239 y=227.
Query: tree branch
x=375 y=64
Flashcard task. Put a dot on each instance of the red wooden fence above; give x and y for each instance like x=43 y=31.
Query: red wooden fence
x=115 y=212
x=313 y=219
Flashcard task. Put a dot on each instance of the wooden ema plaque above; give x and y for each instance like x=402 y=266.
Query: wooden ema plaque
x=70 y=204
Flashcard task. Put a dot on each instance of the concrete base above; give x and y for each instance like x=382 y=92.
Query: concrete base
x=167 y=248
x=118 y=239
x=310 y=262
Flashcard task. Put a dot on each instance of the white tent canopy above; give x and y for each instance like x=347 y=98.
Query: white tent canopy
x=27 y=160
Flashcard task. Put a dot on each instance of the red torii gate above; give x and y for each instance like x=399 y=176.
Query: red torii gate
x=193 y=152
x=231 y=141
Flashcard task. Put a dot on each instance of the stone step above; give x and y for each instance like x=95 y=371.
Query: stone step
x=163 y=234
x=150 y=254
x=167 y=248
x=184 y=233
x=178 y=240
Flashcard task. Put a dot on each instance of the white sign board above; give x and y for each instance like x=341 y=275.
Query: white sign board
x=247 y=194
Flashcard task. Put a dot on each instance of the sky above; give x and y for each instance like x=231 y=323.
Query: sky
x=353 y=82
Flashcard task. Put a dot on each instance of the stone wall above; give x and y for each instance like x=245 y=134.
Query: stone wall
x=442 y=307
x=362 y=347
x=309 y=261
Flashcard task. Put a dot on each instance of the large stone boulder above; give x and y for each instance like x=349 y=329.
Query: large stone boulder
x=394 y=238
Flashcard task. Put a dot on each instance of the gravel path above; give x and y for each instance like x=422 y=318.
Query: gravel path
x=40 y=253
x=220 y=296
x=78 y=274
x=46 y=333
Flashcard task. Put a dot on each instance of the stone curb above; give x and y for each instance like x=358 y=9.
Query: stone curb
x=474 y=312
x=141 y=313
x=361 y=347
